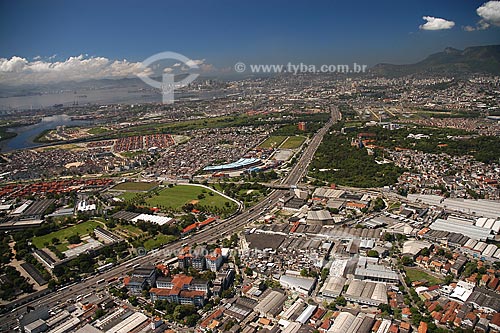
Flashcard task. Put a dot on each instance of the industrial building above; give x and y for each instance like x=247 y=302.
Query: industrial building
x=349 y=323
x=369 y=293
x=299 y=284
x=333 y=286
x=319 y=217
x=369 y=269
x=472 y=231
x=481 y=207
x=272 y=304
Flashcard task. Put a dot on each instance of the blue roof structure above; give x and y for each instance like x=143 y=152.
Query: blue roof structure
x=239 y=164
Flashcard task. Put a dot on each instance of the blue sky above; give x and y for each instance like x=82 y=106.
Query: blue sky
x=223 y=32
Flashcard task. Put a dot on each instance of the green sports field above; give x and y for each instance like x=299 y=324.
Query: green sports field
x=418 y=275
x=273 y=141
x=81 y=229
x=135 y=186
x=177 y=196
x=293 y=142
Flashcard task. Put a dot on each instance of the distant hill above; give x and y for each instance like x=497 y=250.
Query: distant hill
x=477 y=59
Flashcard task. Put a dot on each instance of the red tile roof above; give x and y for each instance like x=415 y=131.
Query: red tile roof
x=190 y=227
x=422 y=328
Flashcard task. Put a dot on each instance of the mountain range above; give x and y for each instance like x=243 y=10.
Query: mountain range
x=476 y=59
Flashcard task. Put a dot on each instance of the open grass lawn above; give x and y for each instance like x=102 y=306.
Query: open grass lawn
x=418 y=275
x=128 y=195
x=81 y=229
x=158 y=241
x=293 y=142
x=97 y=130
x=175 y=197
x=273 y=141
x=132 y=154
x=135 y=186
x=130 y=230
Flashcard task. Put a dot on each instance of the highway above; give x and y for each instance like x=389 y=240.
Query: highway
x=221 y=230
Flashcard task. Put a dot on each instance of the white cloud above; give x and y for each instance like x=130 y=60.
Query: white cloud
x=194 y=62
x=489 y=13
x=436 y=23
x=13 y=65
x=481 y=25
x=17 y=70
x=207 y=68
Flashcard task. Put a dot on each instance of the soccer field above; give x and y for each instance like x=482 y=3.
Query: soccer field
x=273 y=141
x=418 y=275
x=293 y=142
x=135 y=186
x=177 y=196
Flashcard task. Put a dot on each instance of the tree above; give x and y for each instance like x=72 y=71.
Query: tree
x=470 y=268
x=324 y=273
x=248 y=271
x=341 y=301
x=425 y=252
x=332 y=306
x=385 y=308
x=407 y=261
x=74 y=239
x=379 y=204
x=99 y=313
x=133 y=300
x=448 y=279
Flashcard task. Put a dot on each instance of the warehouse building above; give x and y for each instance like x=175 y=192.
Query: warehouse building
x=271 y=305
x=481 y=207
x=319 y=217
x=299 y=284
x=369 y=293
x=348 y=323
x=369 y=269
x=333 y=286
x=472 y=231
x=129 y=324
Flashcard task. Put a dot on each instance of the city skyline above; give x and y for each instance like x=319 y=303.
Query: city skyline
x=113 y=38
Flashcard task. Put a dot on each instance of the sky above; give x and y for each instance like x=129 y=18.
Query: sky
x=48 y=40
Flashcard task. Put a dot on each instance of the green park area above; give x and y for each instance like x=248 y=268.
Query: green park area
x=293 y=142
x=177 y=196
x=157 y=241
x=127 y=230
x=98 y=130
x=62 y=235
x=274 y=141
x=135 y=186
x=415 y=274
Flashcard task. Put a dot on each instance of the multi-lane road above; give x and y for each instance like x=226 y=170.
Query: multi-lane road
x=221 y=230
